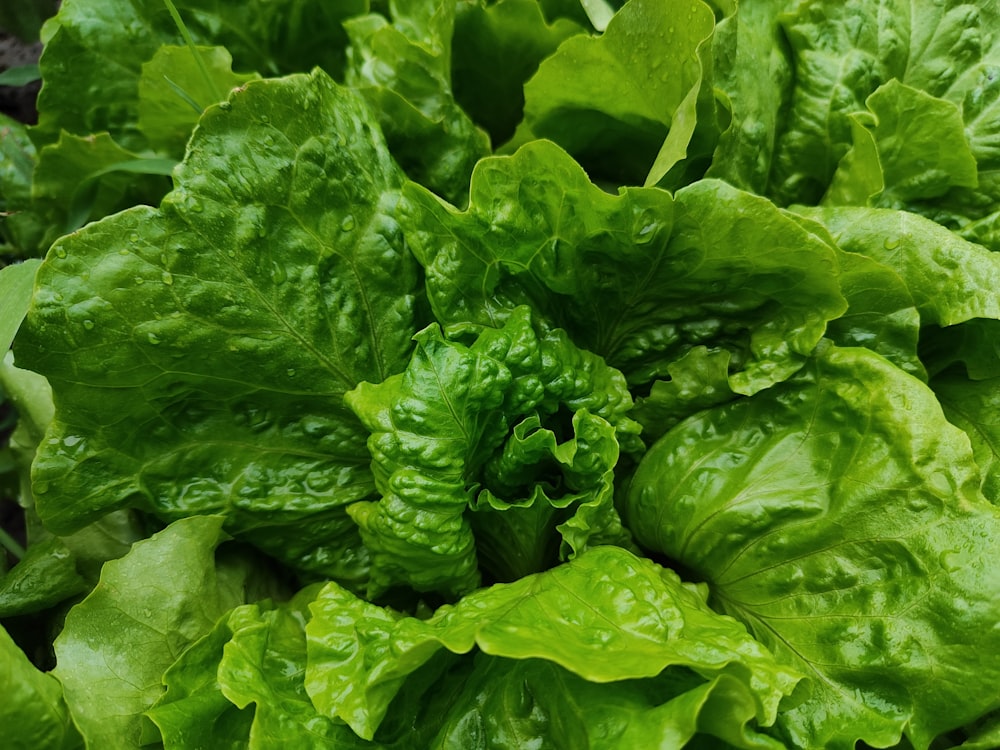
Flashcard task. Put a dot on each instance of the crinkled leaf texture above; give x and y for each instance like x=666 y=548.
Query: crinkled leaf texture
x=839 y=516
x=607 y=616
x=199 y=352
x=639 y=278
x=437 y=436
x=404 y=69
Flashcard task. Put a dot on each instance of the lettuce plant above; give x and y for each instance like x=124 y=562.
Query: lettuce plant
x=505 y=374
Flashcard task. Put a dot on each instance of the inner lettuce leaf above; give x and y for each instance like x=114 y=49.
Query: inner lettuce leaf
x=839 y=516
x=199 y=352
x=640 y=277
x=403 y=68
x=606 y=616
x=623 y=103
x=438 y=431
x=496 y=48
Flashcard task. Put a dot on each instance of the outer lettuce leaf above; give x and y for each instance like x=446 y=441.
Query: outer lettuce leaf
x=16 y=284
x=606 y=616
x=509 y=704
x=33 y=712
x=839 y=516
x=435 y=426
x=197 y=77
x=639 y=278
x=199 y=353
x=845 y=51
x=881 y=313
x=21 y=229
x=404 y=70
x=496 y=48
x=974 y=405
x=950 y=279
x=242 y=686
x=81 y=178
x=624 y=103
x=149 y=606
x=87 y=38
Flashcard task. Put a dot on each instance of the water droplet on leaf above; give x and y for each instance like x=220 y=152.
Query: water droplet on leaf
x=348 y=223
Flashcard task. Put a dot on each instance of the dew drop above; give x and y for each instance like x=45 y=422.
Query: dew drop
x=60 y=252
x=197 y=207
x=139 y=280
x=225 y=106
x=278 y=273
x=123 y=251
x=88 y=324
x=41 y=488
x=167 y=278
x=153 y=338
x=348 y=223
x=290 y=372
x=950 y=560
x=891 y=243
x=265 y=118
x=134 y=237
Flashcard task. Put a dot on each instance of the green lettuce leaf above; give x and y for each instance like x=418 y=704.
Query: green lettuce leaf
x=199 y=353
x=403 y=69
x=495 y=49
x=167 y=592
x=839 y=516
x=177 y=84
x=435 y=427
x=950 y=279
x=16 y=284
x=624 y=103
x=33 y=703
x=944 y=60
x=87 y=39
x=606 y=616
x=242 y=686
x=80 y=178
x=512 y=704
x=21 y=229
x=749 y=74
x=974 y=405
x=640 y=277
x=910 y=147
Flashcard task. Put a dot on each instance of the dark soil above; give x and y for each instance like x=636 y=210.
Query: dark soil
x=18 y=101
